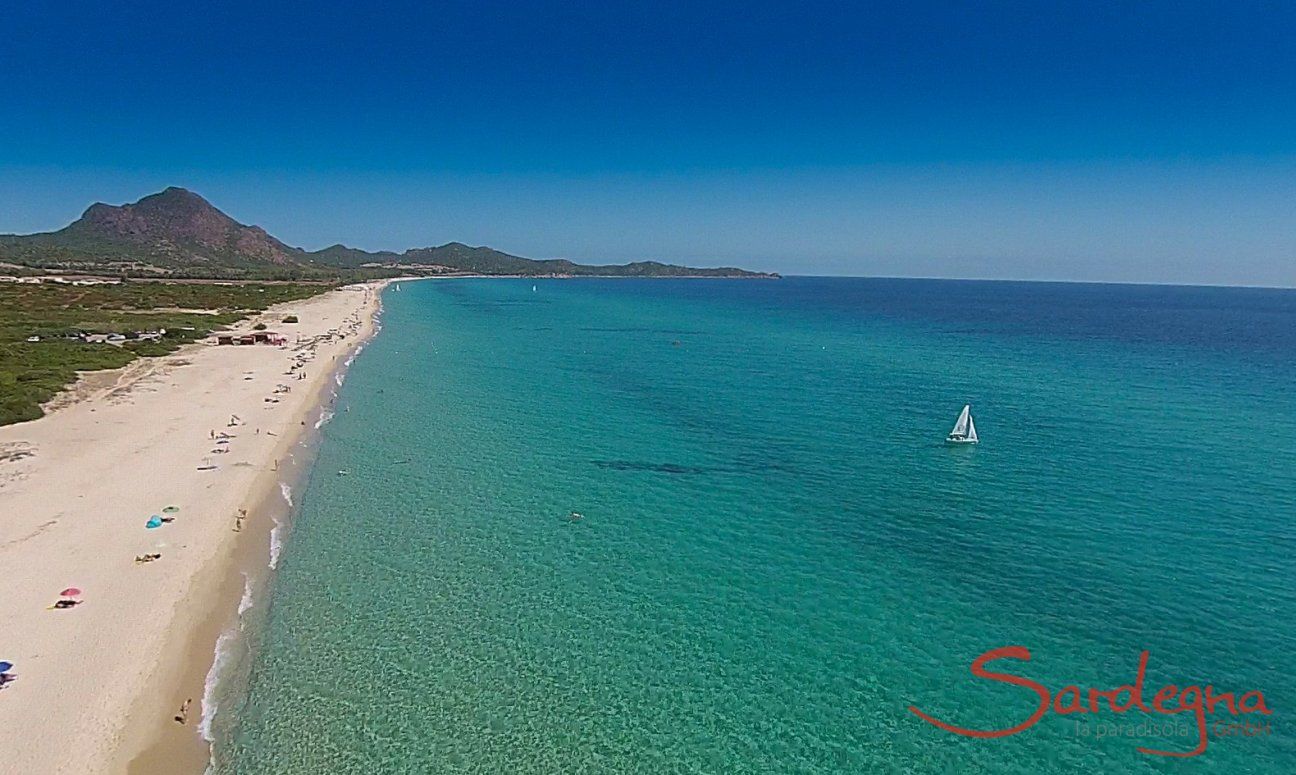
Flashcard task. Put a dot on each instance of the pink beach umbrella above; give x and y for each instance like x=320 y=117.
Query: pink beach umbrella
x=70 y=592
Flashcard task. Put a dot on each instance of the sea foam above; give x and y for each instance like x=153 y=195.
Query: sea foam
x=324 y=417
x=276 y=544
x=245 y=602
x=224 y=652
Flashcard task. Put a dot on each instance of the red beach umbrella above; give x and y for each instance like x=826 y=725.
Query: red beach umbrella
x=70 y=592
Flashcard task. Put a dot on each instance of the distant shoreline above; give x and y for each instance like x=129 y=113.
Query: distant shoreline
x=177 y=233
x=72 y=276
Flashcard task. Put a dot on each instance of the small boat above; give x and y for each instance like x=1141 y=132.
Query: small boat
x=964 y=430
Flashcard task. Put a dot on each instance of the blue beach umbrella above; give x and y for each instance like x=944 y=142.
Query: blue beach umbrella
x=154 y=521
x=6 y=667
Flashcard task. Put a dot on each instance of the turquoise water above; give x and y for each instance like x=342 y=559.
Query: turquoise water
x=778 y=555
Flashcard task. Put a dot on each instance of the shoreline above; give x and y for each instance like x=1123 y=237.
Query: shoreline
x=203 y=659
x=241 y=585
x=114 y=672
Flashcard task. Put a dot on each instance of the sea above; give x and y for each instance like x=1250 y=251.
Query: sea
x=713 y=526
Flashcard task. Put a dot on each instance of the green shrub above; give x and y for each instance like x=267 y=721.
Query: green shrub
x=33 y=372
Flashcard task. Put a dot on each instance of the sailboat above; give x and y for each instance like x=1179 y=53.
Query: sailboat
x=964 y=430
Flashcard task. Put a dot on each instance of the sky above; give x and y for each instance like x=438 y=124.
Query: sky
x=1131 y=141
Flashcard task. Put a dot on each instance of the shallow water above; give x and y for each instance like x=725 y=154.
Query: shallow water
x=777 y=554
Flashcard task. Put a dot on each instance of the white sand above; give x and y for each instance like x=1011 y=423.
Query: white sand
x=76 y=488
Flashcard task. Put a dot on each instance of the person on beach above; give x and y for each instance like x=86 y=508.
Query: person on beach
x=183 y=715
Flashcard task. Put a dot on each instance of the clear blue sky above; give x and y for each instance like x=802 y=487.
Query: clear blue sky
x=1096 y=141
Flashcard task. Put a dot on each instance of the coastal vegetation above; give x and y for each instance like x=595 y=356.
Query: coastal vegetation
x=50 y=331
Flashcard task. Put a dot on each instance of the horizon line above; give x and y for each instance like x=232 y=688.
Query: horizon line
x=1036 y=280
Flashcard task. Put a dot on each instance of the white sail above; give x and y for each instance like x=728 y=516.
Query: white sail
x=960 y=427
x=971 y=431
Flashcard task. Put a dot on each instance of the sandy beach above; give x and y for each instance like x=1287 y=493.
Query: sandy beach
x=205 y=430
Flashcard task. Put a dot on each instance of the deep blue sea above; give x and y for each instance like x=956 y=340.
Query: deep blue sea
x=777 y=553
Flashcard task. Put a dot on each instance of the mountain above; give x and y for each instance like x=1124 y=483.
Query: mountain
x=174 y=231
x=177 y=233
